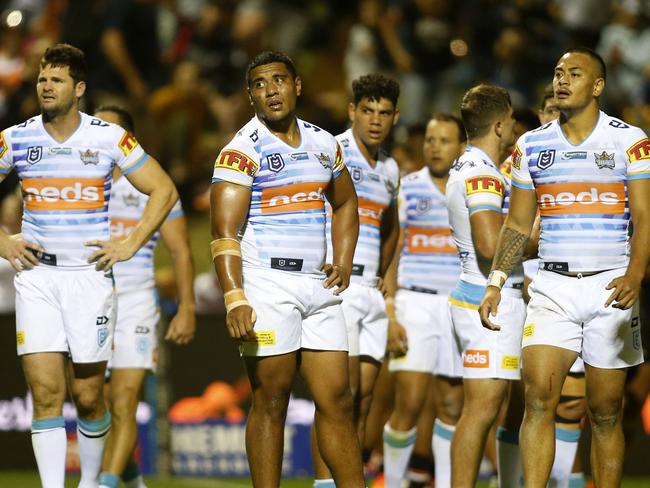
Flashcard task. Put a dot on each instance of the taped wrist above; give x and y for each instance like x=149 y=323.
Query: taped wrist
x=497 y=278
x=234 y=298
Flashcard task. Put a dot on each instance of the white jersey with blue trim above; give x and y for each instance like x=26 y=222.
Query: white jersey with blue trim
x=475 y=185
x=285 y=227
x=429 y=259
x=377 y=190
x=67 y=185
x=125 y=211
x=582 y=191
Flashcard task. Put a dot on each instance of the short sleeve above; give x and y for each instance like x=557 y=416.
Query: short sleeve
x=338 y=165
x=484 y=192
x=402 y=204
x=6 y=157
x=520 y=175
x=237 y=163
x=129 y=154
x=176 y=211
x=638 y=156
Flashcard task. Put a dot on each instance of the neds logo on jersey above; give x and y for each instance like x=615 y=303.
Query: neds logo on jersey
x=121 y=228
x=581 y=198
x=238 y=161
x=426 y=240
x=370 y=212
x=484 y=183
x=63 y=193
x=293 y=198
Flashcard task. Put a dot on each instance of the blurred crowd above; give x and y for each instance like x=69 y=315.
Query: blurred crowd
x=179 y=64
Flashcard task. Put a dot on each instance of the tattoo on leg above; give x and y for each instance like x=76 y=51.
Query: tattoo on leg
x=510 y=249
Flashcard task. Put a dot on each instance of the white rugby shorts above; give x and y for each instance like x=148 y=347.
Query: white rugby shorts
x=569 y=312
x=364 y=310
x=62 y=310
x=432 y=347
x=294 y=311
x=135 y=342
x=488 y=353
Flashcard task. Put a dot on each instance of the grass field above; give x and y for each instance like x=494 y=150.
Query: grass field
x=27 y=479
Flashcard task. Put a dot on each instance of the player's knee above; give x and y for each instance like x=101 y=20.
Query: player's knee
x=89 y=402
x=605 y=414
x=124 y=408
x=451 y=409
x=272 y=404
x=47 y=399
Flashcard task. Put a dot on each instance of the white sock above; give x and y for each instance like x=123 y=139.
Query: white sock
x=566 y=446
x=49 y=442
x=324 y=483
x=442 y=434
x=398 y=447
x=509 y=465
x=91 y=437
x=577 y=480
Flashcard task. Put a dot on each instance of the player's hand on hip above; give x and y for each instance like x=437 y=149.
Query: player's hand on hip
x=490 y=306
x=109 y=253
x=19 y=252
x=240 y=322
x=397 y=338
x=626 y=292
x=182 y=327
x=381 y=286
x=337 y=276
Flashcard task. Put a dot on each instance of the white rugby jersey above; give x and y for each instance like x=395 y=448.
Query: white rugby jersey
x=377 y=190
x=125 y=211
x=429 y=259
x=285 y=227
x=67 y=185
x=582 y=191
x=475 y=184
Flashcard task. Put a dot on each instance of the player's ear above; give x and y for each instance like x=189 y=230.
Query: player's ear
x=80 y=89
x=497 y=127
x=599 y=86
x=298 y=82
x=351 y=109
x=395 y=117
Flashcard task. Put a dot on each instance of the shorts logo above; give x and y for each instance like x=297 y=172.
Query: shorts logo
x=89 y=157
x=484 y=184
x=34 y=154
x=581 y=198
x=510 y=362
x=275 y=162
x=20 y=338
x=238 y=161
x=423 y=240
x=63 y=193
x=604 y=160
x=102 y=335
x=476 y=358
x=546 y=158
x=298 y=197
x=529 y=330
x=101 y=320
x=264 y=338
x=639 y=150
x=142 y=345
x=128 y=143
x=516 y=157
x=636 y=339
x=370 y=212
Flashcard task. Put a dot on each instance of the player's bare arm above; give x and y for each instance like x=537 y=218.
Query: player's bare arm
x=151 y=180
x=510 y=248
x=176 y=238
x=485 y=226
x=626 y=288
x=389 y=235
x=229 y=205
x=397 y=339
x=342 y=196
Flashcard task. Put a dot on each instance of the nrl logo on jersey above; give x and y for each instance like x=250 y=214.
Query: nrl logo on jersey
x=356 y=174
x=34 y=154
x=423 y=205
x=89 y=157
x=131 y=200
x=325 y=160
x=604 y=160
x=546 y=158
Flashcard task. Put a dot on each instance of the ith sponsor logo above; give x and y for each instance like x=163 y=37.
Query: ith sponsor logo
x=476 y=358
x=63 y=193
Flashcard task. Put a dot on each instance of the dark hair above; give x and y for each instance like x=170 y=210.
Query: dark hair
x=61 y=55
x=526 y=117
x=126 y=119
x=268 y=57
x=597 y=58
x=449 y=117
x=375 y=87
x=546 y=96
x=481 y=106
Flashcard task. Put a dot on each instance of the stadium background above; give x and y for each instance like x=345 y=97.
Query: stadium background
x=179 y=67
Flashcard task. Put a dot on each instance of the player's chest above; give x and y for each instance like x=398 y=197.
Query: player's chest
x=425 y=208
x=587 y=163
x=371 y=183
x=282 y=166
x=84 y=160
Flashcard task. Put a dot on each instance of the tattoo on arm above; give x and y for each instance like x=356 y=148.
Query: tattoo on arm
x=510 y=249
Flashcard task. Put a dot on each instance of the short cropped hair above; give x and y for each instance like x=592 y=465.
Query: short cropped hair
x=62 y=55
x=481 y=106
x=126 y=119
x=597 y=58
x=375 y=87
x=449 y=117
x=268 y=57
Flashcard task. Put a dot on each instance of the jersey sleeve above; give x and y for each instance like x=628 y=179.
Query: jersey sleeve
x=339 y=164
x=638 y=155
x=129 y=154
x=484 y=190
x=395 y=182
x=520 y=175
x=401 y=207
x=237 y=163
x=176 y=211
x=6 y=156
